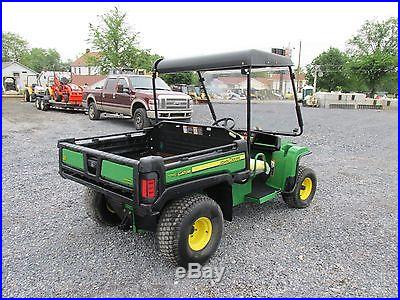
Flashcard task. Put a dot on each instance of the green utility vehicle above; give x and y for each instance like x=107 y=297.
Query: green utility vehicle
x=182 y=180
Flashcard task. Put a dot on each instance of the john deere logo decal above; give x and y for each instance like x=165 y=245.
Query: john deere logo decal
x=208 y=165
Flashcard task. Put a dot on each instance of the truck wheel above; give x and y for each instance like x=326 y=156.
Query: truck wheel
x=99 y=210
x=304 y=191
x=37 y=103
x=43 y=105
x=140 y=118
x=190 y=229
x=27 y=96
x=93 y=112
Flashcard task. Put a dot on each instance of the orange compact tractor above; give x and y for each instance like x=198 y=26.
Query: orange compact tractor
x=62 y=95
x=66 y=92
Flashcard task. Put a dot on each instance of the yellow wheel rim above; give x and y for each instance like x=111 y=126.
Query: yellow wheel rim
x=201 y=234
x=306 y=188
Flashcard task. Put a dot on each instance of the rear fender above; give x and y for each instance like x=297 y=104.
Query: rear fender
x=216 y=187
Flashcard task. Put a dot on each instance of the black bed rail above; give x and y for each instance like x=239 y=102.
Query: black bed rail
x=113 y=136
x=186 y=156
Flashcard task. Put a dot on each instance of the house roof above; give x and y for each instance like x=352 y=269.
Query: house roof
x=82 y=61
x=88 y=79
x=6 y=64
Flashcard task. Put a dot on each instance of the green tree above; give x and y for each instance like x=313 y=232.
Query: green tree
x=40 y=59
x=14 y=47
x=373 y=53
x=331 y=64
x=117 y=43
x=179 y=78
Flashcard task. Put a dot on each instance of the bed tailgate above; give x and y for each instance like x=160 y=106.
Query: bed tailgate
x=98 y=169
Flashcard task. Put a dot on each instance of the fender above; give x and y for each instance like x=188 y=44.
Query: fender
x=182 y=189
x=286 y=162
x=138 y=100
x=85 y=102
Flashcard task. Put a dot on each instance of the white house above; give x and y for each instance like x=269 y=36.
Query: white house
x=81 y=66
x=20 y=73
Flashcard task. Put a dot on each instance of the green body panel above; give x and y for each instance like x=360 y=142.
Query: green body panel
x=72 y=158
x=117 y=173
x=239 y=192
x=266 y=198
x=285 y=161
x=285 y=165
x=231 y=163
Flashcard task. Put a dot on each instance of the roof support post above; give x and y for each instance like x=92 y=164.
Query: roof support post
x=248 y=112
x=296 y=101
x=210 y=106
x=153 y=78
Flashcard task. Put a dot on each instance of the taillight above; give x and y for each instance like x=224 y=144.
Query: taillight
x=148 y=187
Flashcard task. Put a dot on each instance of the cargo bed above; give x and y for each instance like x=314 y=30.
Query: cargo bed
x=113 y=164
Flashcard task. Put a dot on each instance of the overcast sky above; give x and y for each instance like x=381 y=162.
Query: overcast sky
x=186 y=29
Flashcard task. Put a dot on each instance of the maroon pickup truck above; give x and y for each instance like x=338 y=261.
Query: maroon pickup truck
x=132 y=95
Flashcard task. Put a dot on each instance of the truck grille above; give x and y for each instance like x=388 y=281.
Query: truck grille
x=175 y=103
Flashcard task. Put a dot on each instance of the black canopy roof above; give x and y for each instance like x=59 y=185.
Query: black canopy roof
x=223 y=61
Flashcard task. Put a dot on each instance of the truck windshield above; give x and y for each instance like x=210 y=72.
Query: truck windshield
x=144 y=82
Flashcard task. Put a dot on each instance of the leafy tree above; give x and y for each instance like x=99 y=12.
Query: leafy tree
x=117 y=44
x=375 y=37
x=179 y=78
x=13 y=47
x=332 y=64
x=373 y=53
x=374 y=69
x=40 y=59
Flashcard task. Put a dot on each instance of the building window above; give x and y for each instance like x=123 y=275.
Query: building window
x=88 y=70
x=79 y=70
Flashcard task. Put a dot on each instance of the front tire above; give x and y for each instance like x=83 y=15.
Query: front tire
x=93 y=112
x=99 y=209
x=304 y=190
x=190 y=229
x=140 y=118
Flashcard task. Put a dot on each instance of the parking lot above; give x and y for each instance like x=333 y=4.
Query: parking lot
x=345 y=244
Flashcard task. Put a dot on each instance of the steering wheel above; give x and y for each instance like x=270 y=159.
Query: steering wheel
x=225 y=123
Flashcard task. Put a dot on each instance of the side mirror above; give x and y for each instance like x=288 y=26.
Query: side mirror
x=126 y=90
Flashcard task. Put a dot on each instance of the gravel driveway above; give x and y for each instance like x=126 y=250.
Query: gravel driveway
x=345 y=244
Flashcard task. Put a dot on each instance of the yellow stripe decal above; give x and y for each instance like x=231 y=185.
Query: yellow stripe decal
x=218 y=163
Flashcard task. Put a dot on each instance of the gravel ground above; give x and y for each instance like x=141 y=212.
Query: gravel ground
x=345 y=244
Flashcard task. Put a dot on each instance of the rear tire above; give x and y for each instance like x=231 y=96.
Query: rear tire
x=304 y=190
x=190 y=229
x=37 y=103
x=140 y=118
x=99 y=209
x=43 y=105
x=27 y=96
x=93 y=112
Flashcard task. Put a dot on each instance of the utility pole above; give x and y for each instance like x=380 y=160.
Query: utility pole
x=316 y=69
x=298 y=69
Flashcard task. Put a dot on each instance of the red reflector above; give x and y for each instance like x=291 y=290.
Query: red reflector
x=148 y=187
